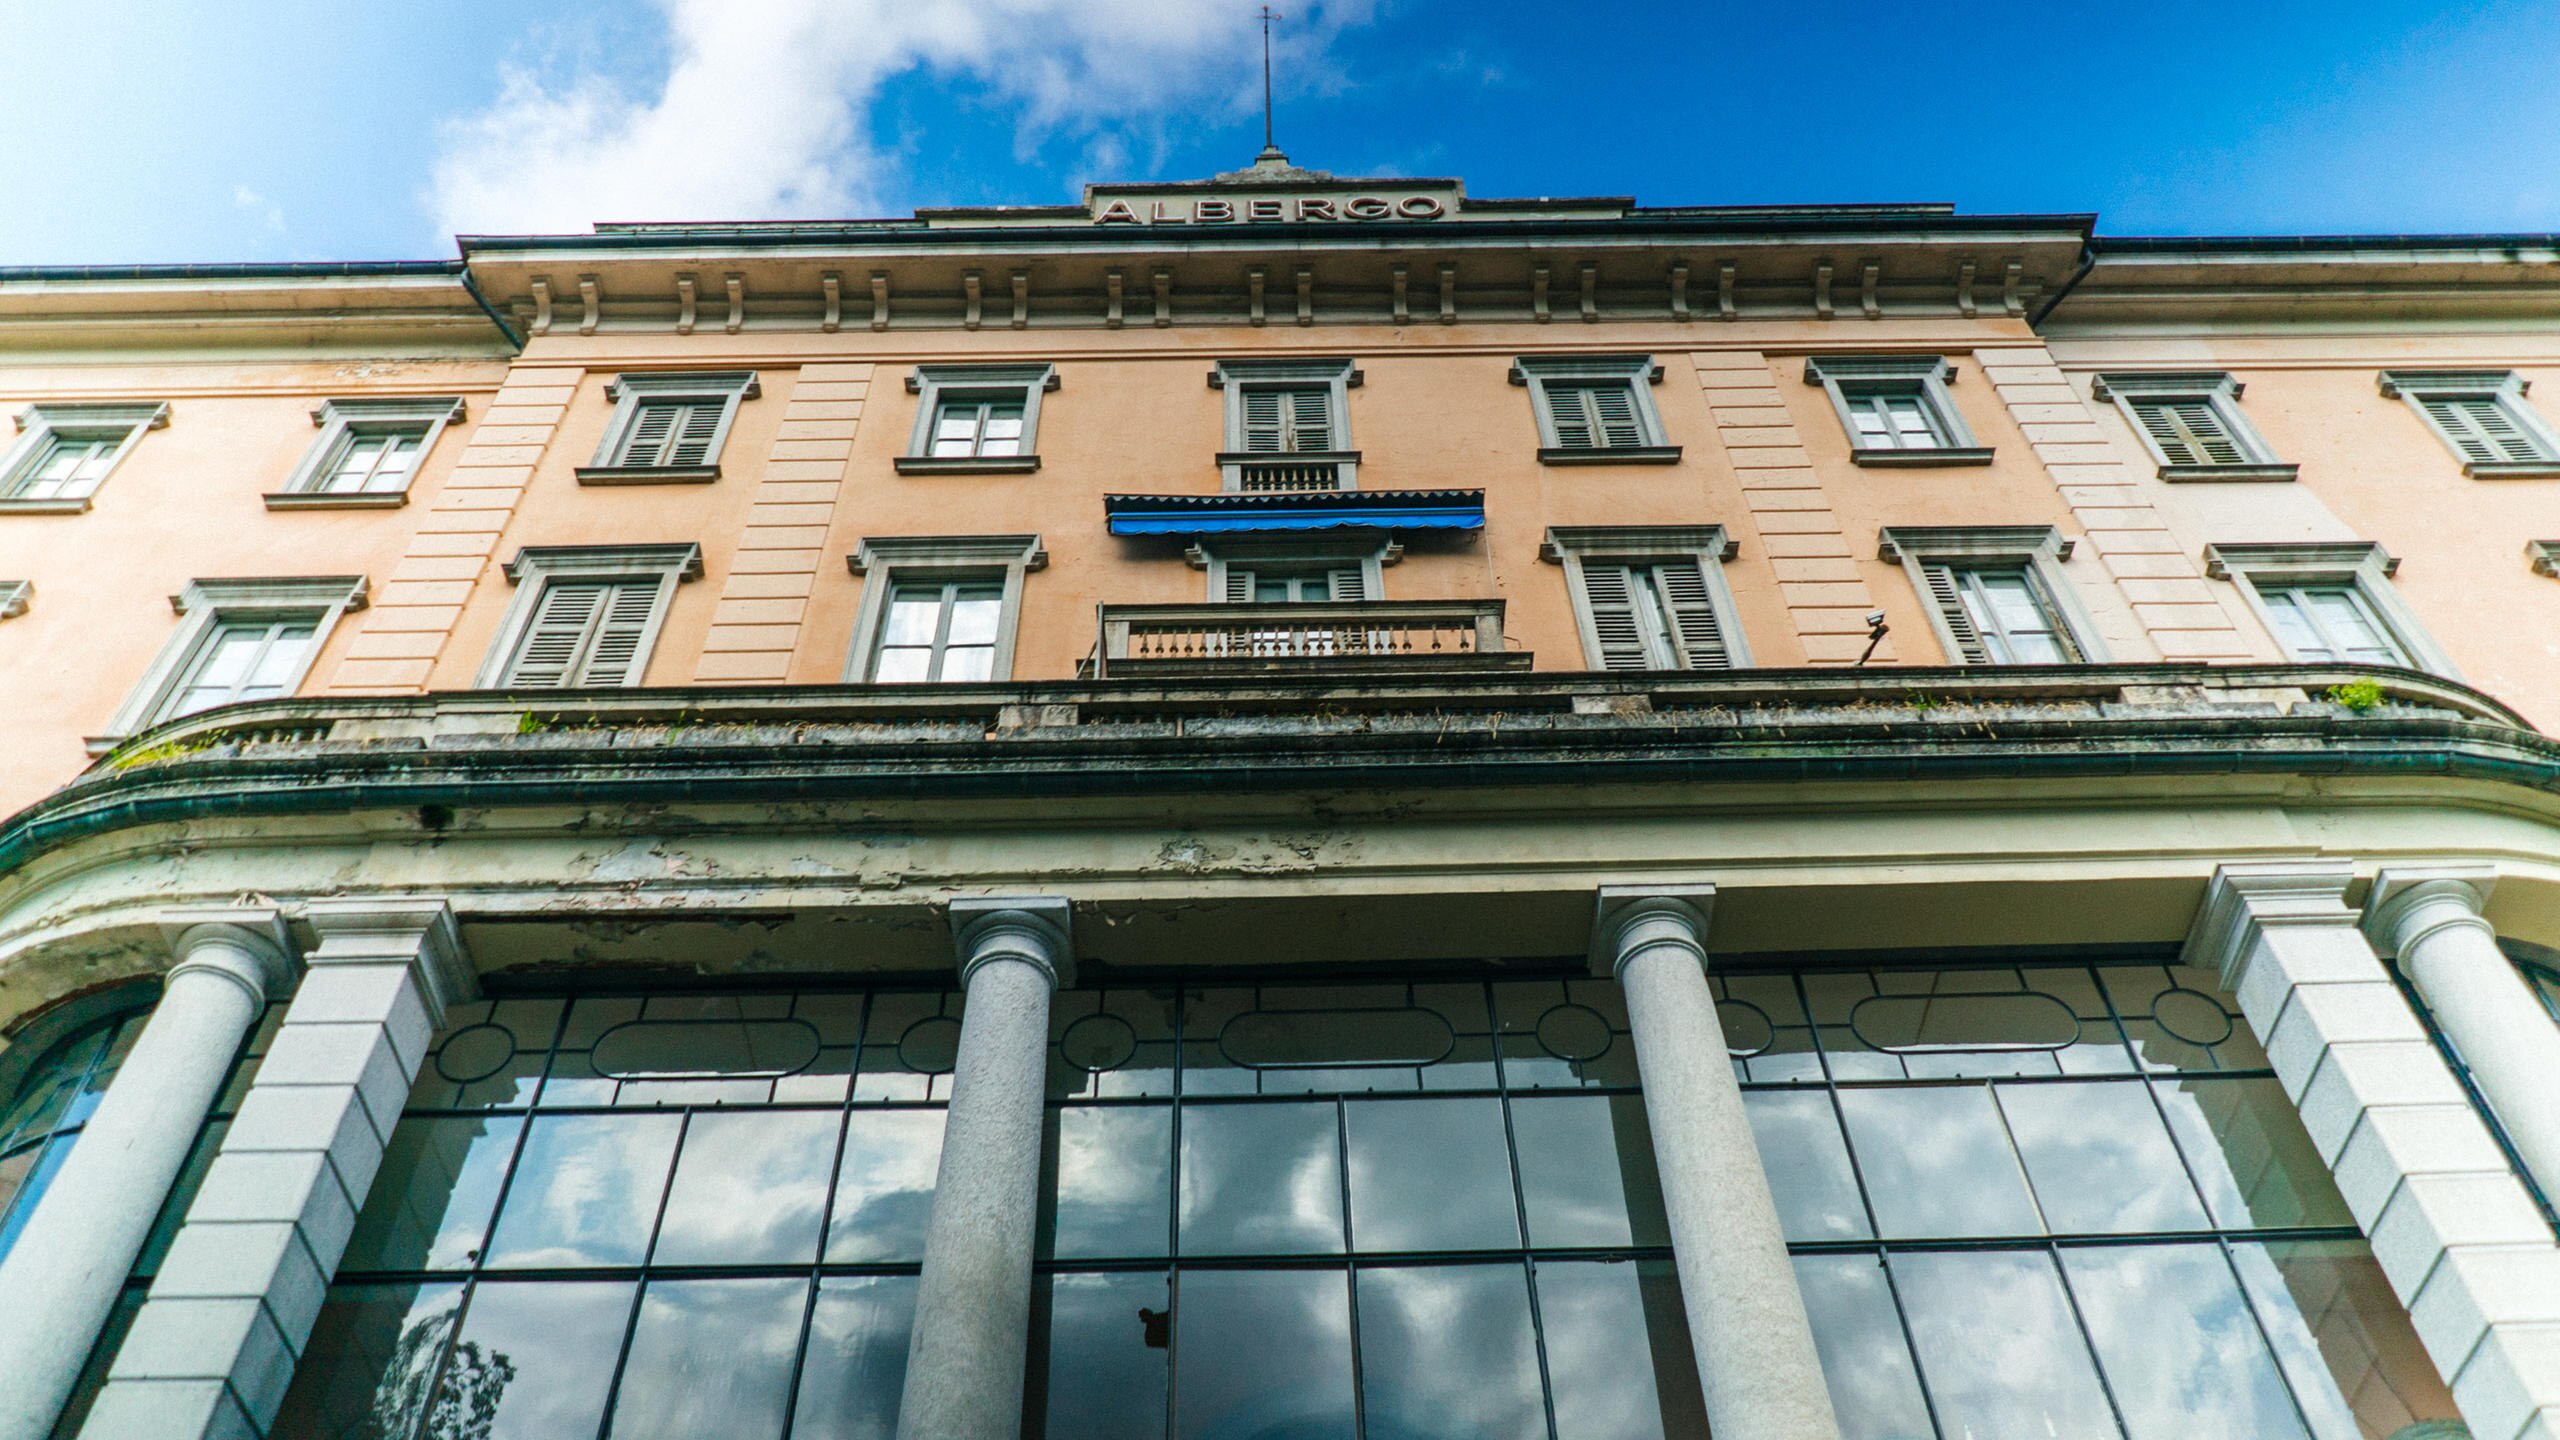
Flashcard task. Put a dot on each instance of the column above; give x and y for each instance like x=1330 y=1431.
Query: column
x=1756 y=1361
x=2429 y=920
x=61 y=1279
x=973 y=1302
x=2452 y=1227
x=233 y=1305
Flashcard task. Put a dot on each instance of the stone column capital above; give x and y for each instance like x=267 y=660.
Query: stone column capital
x=2244 y=900
x=1037 y=930
x=1629 y=917
x=417 y=931
x=247 y=945
x=2410 y=902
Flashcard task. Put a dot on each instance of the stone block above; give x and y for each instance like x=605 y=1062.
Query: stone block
x=2396 y=1141
x=167 y=1410
x=2318 y=1016
x=743 y=666
x=267 y=1262
x=2476 y=1286
x=2356 y=1077
x=291 y=1119
x=2433 y=1213
x=373 y=990
x=751 y=637
x=2512 y=1374
x=333 y=1054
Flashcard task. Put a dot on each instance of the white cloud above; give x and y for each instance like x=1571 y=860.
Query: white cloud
x=763 y=112
x=260 y=206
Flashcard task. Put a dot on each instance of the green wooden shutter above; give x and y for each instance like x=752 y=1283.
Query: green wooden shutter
x=1941 y=581
x=651 y=427
x=1263 y=428
x=1614 y=403
x=2189 y=432
x=562 y=620
x=1609 y=591
x=1239 y=585
x=696 y=432
x=1311 y=418
x=1693 y=614
x=615 y=656
x=1568 y=410
x=1348 y=582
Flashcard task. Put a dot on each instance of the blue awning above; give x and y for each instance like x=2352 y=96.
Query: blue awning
x=1314 y=510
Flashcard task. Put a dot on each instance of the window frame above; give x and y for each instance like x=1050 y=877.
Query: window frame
x=1640 y=374
x=15 y=597
x=885 y=560
x=41 y=424
x=2039 y=549
x=1708 y=546
x=340 y=422
x=727 y=388
x=544 y=565
x=1234 y=378
x=1929 y=377
x=1371 y=550
x=2215 y=389
x=933 y=385
x=2504 y=388
x=201 y=608
x=2360 y=565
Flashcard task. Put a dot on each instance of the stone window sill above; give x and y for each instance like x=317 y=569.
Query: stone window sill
x=314 y=500
x=1611 y=455
x=2207 y=474
x=1923 y=459
x=75 y=506
x=647 y=474
x=967 y=464
x=2512 y=469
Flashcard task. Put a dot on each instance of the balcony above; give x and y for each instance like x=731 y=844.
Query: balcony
x=1260 y=473
x=1369 y=636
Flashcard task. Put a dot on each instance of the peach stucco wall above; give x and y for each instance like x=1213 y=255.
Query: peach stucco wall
x=808 y=473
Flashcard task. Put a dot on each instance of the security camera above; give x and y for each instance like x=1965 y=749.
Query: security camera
x=1874 y=618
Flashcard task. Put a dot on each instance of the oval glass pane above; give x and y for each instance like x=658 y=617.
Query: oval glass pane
x=931 y=1046
x=1099 y=1042
x=1574 y=1032
x=2192 y=1016
x=705 y=1049
x=1927 y=1024
x=1334 y=1039
x=475 y=1053
x=1747 y=1030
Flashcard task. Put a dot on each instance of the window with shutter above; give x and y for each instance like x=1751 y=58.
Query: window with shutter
x=1286 y=420
x=1594 y=414
x=2188 y=430
x=1654 y=616
x=1998 y=615
x=667 y=434
x=2483 y=429
x=586 y=633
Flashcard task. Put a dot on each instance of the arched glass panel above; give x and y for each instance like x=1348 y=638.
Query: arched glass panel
x=51 y=1105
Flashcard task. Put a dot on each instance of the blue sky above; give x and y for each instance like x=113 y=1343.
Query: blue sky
x=173 y=130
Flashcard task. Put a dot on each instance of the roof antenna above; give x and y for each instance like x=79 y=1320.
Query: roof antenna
x=1270 y=151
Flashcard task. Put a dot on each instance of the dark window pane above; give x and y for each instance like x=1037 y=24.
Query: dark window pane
x=1110 y=1181
x=364 y=1375
x=749 y=1189
x=1937 y=1162
x=2099 y=1158
x=1100 y=1345
x=1447 y=1350
x=430 y=1204
x=585 y=1191
x=857 y=1360
x=2001 y=1351
x=1618 y=1352
x=711 y=1357
x=1260 y=1180
x=1586 y=1170
x=1798 y=1137
x=2343 y=1340
x=102 y=1355
x=884 y=1188
x=2183 y=1356
x=1431 y=1175
x=1866 y=1364
x=35 y=1180
x=533 y=1361
x=181 y=1197
x=1264 y=1352
x=2247 y=1146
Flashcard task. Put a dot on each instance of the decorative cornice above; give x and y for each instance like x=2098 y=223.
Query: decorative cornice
x=874 y=550
x=419 y=933
x=1037 y=930
x=254 y=933
x=2457 y=894
x=2242 y=900
x=1677 y=914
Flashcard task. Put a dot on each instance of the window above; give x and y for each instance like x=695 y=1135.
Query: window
x=15 y=597
x=2482 y=415
x=53 y=1100
x=237 y=640
x=1995 y=595
x=1896 y=409
x=2329 y=603
x=939 y=608
x=585 y=616
x=367 y=452
x=1595 y=409
x=1650 y=599
x=976 y=419
x=64 y=452
x=1288 y=424
x=667 y=428
x=2192 y=423
x=1344 y=567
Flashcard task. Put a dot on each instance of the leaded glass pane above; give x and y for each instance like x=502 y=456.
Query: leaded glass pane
x=1448 y=1349
x=710 y=1357
x=856 y=1364
x=430 y=1204
x=1937 y=1163
x=1807 y=1164
x=884 y=1188
x=2000 y=1346
x=2342 y=1339
x=1110 y=1181
x=367 y=1369
x=586 y=1191
x=534 y=1359
x=1430 y=1175
x=1866 y=1363
x=1261 y=1179
x=1101 y=1353
x=2182 y=1354
x=2099 y=1159
x=1586 y=1171
x=1618 y=1352
x=749 y=1189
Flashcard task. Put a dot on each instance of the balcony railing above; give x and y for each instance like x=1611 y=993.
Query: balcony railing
x=1303 y=470
x=1284 y=638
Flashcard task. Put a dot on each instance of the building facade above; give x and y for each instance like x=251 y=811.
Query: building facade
x=1285 y=807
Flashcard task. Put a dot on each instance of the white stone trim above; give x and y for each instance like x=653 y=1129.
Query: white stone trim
x=1641 y=374
x=338 y=420
x=1709 y=545
x=15 y=597
x=38 y=424
x=628 y=390
x=1931 y=374
x=202 y=606
x=1232 y=378
x=884 y=559
x=2215 y=389
x=2358 y=563
x=2040 y=548
x=2506 y=388
x=669 y=565
x=928 y=384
